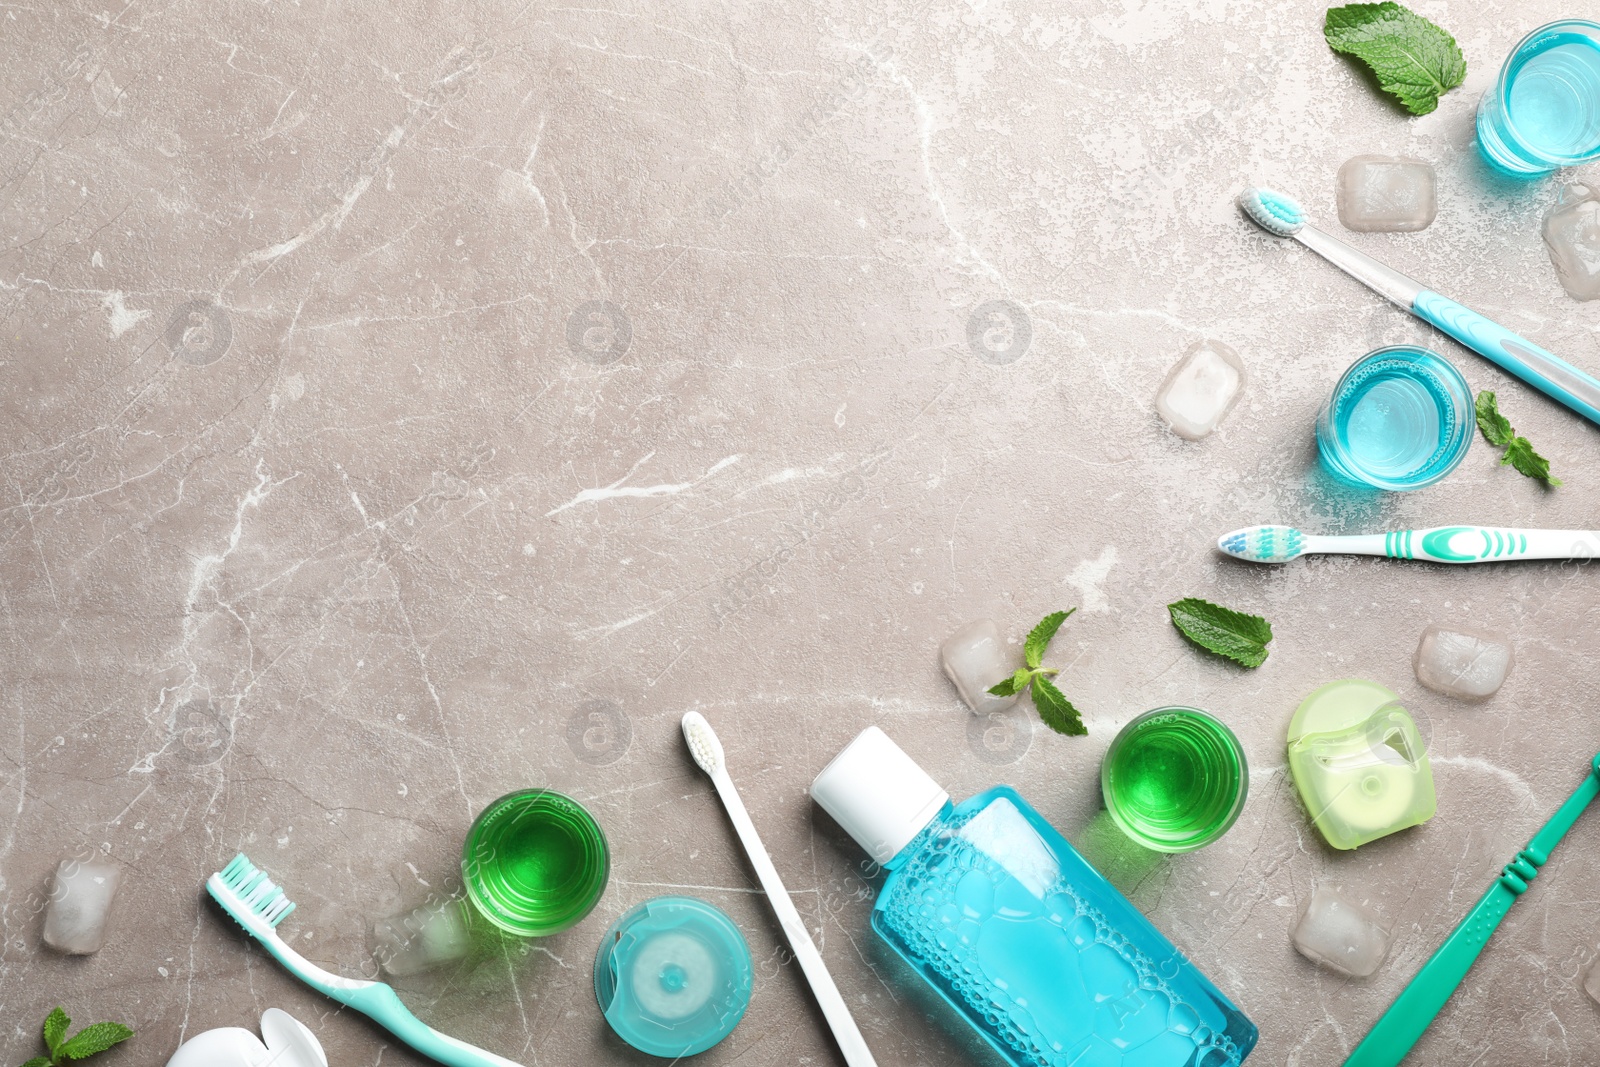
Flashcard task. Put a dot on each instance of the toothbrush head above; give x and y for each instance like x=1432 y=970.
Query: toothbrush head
x=703 y=743
x=1264 y=544
x=1272 y=211
x=246 y=893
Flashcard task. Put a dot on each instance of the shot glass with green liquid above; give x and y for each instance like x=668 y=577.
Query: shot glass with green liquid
x=1174 y=779
x=535 y=862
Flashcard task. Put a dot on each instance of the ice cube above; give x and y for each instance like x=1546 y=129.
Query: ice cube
x=1463 y=662
x=1201 y=389
x=80 y=900
x=975 y=658
x=431 y=936
x=1572 y=237
x=1341 y=935
x=1591 y=982
x=1387 y=194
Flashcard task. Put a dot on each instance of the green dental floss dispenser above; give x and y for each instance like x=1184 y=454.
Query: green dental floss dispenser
x=1359 y=762
x=673 y=976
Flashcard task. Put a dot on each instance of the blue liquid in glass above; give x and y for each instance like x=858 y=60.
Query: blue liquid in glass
x=1554 y=97
x=1543 y=112
x=1043 y=956
x=1392 y=427
x=1397 y=420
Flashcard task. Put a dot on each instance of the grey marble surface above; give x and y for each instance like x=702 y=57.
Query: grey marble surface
x=403 y=403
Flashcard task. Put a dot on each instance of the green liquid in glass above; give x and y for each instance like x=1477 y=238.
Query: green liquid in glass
x=1174 y=779
x=535 y=862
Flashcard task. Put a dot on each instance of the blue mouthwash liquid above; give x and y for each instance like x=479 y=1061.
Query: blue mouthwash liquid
x=1031 y=945
x=1398 y=419
x=1544 y=110
x=1554 y=99
x=1042 y=955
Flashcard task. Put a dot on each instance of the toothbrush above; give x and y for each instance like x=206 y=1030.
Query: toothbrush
x=707 y=752
x=259 y=905
x=1440 y=544
x=1403 y=1024
x=1284 y=217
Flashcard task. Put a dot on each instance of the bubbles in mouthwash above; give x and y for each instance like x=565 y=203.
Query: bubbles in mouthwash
x=1396 y=417
x=1121 y=1012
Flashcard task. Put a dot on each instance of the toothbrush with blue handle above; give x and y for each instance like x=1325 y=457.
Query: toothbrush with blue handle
x=1283 y=216
x=1403 y=1025
x=1440 y=544
x=259 y=905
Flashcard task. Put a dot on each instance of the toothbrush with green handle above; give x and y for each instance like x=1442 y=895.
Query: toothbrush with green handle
x=1414 y=1009
x=1282 y=216
x=259 y=905
x=1439 y=544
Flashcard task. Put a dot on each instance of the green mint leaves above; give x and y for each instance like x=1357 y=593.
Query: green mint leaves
x=1223 y=631
x=1413 y=59
x=1519 y=451
x=1055 y=710
x=1040 y=636
x=1495 y=426
x=55 y=1030
x=82 y=1045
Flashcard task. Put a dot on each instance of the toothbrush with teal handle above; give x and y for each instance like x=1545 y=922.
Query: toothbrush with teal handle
x=1283 y=216
x=259 y=905
x=1414 y=1009
x=1440 y=544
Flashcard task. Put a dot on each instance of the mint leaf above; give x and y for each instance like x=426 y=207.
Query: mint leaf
x=1055 y=710
x=1014 y=684
x=1223 y=631
x=38 y=1061
x=55 y=1030
x=1413 y=59
x=1039 y=637
x=93 y=1039
x=1495 y=426
x=1519 y=451
x=1520 y=454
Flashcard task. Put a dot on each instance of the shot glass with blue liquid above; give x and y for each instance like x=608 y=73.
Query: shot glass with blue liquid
x=1543 y=112
x=1400 y=418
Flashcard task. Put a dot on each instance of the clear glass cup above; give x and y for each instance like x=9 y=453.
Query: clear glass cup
x=1174 y=779
x=1400 y=418
x=1543 y=111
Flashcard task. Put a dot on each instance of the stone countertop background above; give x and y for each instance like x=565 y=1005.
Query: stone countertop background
x=404 y=403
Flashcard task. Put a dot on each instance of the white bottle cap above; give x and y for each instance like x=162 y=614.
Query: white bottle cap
x=878 y=793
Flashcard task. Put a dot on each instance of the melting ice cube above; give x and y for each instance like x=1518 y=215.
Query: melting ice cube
x=975 y=658
x=1201 y=389
x=431 y=936
x=80 y=900
x=1341 y=935
x=1382 y=193
x=1463 y=662
x=1591 y=982
x=1572 y=237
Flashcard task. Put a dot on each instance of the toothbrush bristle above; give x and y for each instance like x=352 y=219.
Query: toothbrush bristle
x=1273 y=211
x=255 y=890
x=1263 y=544
x=703 y=743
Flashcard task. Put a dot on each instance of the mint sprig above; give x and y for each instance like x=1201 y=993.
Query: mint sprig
x=1413 y=59
x=1232 y=634
x=1519 y=453
x=85 y=1043
x=1055 y=710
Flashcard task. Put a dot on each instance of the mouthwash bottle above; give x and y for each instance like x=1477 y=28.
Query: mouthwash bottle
x=999 y=913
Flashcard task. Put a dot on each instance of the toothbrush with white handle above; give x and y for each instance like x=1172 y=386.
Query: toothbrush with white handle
x=707 y=752
x=259 y=905
x=1283 y=216
x=1440 y=544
